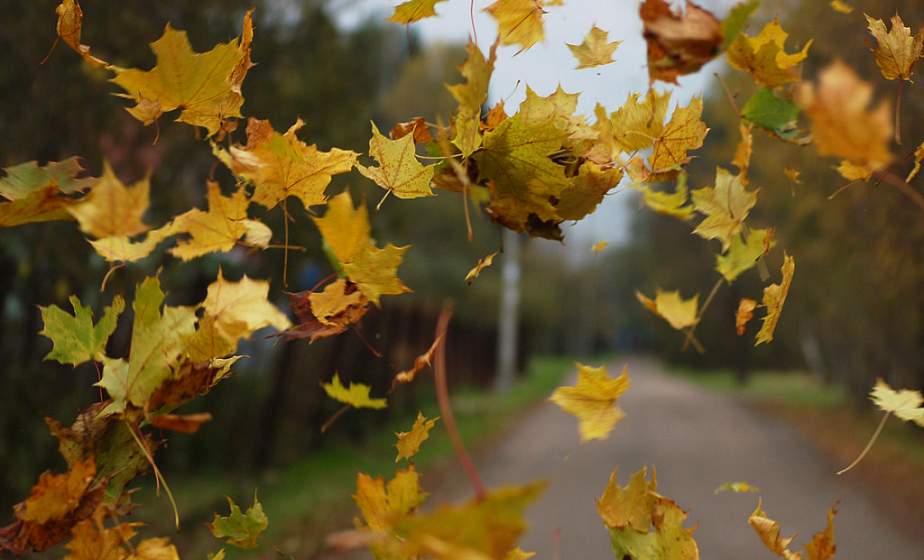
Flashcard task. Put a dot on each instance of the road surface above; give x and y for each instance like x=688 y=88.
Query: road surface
x=697 y=440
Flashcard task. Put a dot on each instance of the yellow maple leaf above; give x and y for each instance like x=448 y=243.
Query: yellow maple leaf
x=764 y=56
x=593 y=400
x=744 y=314
x=398 y=171
x=330 y=304
x=671 y=307
x=56 y=495
x=206 y=87
x=629 y=506
x=345 y=229
x=69 y=27
x=684 y=131
x=482 y=264
x=841 y=124
x=669 y=203
x=743 y=253
x=112 y=208
x=897 y=50
x=471 y=96
x=726 y=206
x=242 y=307
x=375 y=272
x=639 y=122
x=905 y=404
x=519 y=22
x=414 y=10
x=774 y=298
x=92 y=540
x=408 y=443
x=596 y=50
x=357 y=395
x=281 y=165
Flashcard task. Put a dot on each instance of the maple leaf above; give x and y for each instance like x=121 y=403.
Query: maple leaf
x=793 y=175
x=684 y=131
x=596 y=50
x=774 y=298
x=220 y=227
x=774 y=114
x=643 y=524
x=379 y=503
x=375 y=272
x=414 y=10
x=742 y=159
x=408 y=443
x=240 y=308
x=593 y=400
x=586 y=190
x=339 y=308
x=821 y=547
x=737 y=488
x=357 y=395
x=420 y=362
x=905 y=404
x=519 y=22
x=416 y=127
x=471 y=96
x=638 y=123
x=69 y=26
x=678 y=43
x=742 y=254
x=345 y=229
x=840 y=6
x=240 y=529
x=281 y=165
x=736 y=20
x=630 y=506
x=184 y=423
x=335 y=302
x=57 y=495
x=206 y=87
x=765 y=58
x=75 y=338
x=841 y=124
x=671 y=307
x=158 y=340
x=112 y=208
x=398 y=171
x=669 y=203
x=482 y=264
x=35 y=193
x=726 y=207
x=91 y=540
x=897 y=50
x=744 y=314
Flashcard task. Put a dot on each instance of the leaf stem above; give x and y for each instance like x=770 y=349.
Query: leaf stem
x=869 y=445
x=702 y=311
x=898 y=112
x=158 y=476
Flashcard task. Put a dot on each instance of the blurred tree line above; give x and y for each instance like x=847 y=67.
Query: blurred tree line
x=337 y=80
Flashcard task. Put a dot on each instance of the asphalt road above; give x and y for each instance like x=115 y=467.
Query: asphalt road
x=697 y=440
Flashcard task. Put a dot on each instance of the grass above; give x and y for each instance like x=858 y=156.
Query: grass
x=840 y=428
x=312 y=497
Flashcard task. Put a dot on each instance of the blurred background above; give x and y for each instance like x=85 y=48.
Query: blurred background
x=854 y=313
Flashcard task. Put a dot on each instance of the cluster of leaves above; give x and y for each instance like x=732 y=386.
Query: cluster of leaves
x=530 y=171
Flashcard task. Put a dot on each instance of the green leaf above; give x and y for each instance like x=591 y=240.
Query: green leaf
x=768 y=111
x=76 y=339
x=737 y=20
x=241 y=529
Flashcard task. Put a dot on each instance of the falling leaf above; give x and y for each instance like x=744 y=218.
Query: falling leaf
x=821 y=547
x=185 y=423
x=519 y=22
x=519 y=554
x=738 y=487
x=684 y=131
x=36 y=193
x=678 y=43
x=420 y=362
x=356 y=396
x=240 y=308
x=744 y=314
x=793 y=174
x=772 y=113
x=375 y=272
x=842 y=7
x=414 y=10
x=736 y=20
x=742 y=159
x=416 y=127
x=841 y=124
x=918 y=158
x=629 y=506
x=599 y=246
x=593 y=400
x=240 y=529
x=336 y=301
x=671 y=307
x=743 y=253
x=409 y=442
x=905 y=404
x=206 y=87
x=69 y=27
x=281 y=165
x=774 y=298
x=764 y=56
x=638 y=124
x=345 y=229
x=897 y=50
x=111 y=208
x=398 y=171
x=380 y=503
x=339 y=307
x=726 y=207
x=91 y=540
x=76 y=339
x=596 y=50
x=471 y=96
x=482 y=264
x=669 y=203
x=57 y=495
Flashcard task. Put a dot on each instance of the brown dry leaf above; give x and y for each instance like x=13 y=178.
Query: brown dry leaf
x=482 y=264
x=821 y=547
x=897 y=50
x=678 y=43
x=185 y=423
x=744 y=314
x=793 y=175
x=417 y=126
x=57 y=495
x=70 y=26
x=842 y=125
x=420 y=362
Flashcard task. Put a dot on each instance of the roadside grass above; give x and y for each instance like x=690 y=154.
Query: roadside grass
x=840 y=427
x=312 y=497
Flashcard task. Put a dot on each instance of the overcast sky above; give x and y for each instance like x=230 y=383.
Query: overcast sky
x=550 y=63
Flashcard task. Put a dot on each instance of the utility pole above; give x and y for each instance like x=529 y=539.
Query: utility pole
x=508 y=320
